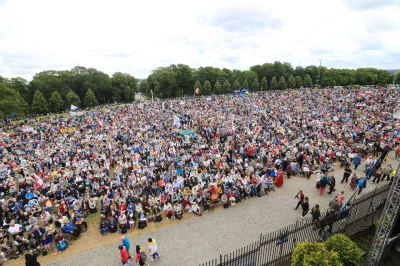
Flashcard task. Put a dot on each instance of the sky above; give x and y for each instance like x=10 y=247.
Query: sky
x=135 y=37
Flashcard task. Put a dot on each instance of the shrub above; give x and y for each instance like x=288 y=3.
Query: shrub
x=314 y=254
x=347 y=249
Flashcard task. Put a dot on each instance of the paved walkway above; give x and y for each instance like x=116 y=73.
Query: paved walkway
x=198 y=240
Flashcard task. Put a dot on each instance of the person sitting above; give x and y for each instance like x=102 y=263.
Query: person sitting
x=20 y=242
x=69 y=228
x=37 y=232
x=8 y=249
x=178 y=210
x=157 y=213
x=34 y=247
x=78 y=221
x=186 y=205
x=168 y=210
x=104 y=227
x=46 y=242
x=15 y=229
x=142 y=220
x=225 y=201
x=307 y=171
x=195 y=209
x=112 y=224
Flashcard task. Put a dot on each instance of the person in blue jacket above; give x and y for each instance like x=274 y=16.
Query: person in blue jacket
x=70 y=228
x=361 y=183
x=356 y=161
x=126 y=243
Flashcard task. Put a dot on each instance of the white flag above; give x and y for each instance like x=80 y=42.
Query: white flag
x=177 y=121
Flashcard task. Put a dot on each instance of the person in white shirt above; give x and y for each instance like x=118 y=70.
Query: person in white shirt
x=15 y=229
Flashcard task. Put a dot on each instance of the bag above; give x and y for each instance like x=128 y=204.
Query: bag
x=158 y=218
x=143 y=256
x=317 y=185
x=62 y=245
x=123 y=230
x=44 y=252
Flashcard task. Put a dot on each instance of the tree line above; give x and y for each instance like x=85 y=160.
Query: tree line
x=55 y=91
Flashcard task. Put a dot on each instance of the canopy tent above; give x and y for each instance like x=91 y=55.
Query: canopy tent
x=186 y=132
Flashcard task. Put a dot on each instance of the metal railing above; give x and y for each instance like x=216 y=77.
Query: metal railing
x=277 y=247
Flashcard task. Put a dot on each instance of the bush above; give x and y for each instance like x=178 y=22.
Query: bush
x=347 y=249
x=356 y=86
x=314 y=254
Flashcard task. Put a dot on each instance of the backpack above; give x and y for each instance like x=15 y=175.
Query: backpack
x=62 y=245
x=143 y=256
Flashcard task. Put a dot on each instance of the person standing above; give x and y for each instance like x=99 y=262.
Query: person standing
x=305 y=206
x=398 y=152
x=361 y=184
x=153 y=249
x=356 y=161
x=322 y=185
x=300 y=197
x=30 y=260
x=126 y=243
x=332 y=183
x=124 y=254
x=346 y=174
x=141 y=256
x=316 y=213
x=340 y=198
x=386 y=172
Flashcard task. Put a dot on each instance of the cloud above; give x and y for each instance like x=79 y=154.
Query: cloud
x=362 y=5
x=245 y=19
x=225 y=33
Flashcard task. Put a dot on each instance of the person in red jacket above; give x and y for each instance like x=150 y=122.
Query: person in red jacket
x=124 y=254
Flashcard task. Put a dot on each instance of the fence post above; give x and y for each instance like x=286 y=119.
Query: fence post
x=372 y=206
x=260 y=240
x=220 y=259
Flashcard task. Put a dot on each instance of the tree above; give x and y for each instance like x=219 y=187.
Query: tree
x=307 y=82
x=255 y=86
x=72 y=98
x=236 y=85
x=143 y=86
x=274 y=83
x=11 y=102
x=226 y=87
x=298 y=81
x=346 y=249
x=39 y=103
x=218 y=88
x=124 y=87
x=291 y=82
x=207 y=88
x=163 y=82
x=90 y=99
x=197 y=85
x=282 y=83
x=56 y=103
x=245 y=84
x=314 y=254
x=264 y=84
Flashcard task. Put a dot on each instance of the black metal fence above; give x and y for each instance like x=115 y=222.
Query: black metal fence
x=276 y=248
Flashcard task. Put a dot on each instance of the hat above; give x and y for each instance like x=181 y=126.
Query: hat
x=122 y=237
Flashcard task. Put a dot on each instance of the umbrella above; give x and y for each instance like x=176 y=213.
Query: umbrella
x=186 y=132
x=368 y=92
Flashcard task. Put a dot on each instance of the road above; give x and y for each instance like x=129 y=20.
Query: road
x=198 y=240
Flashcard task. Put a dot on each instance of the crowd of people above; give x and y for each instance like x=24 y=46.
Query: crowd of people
x=149 y=161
